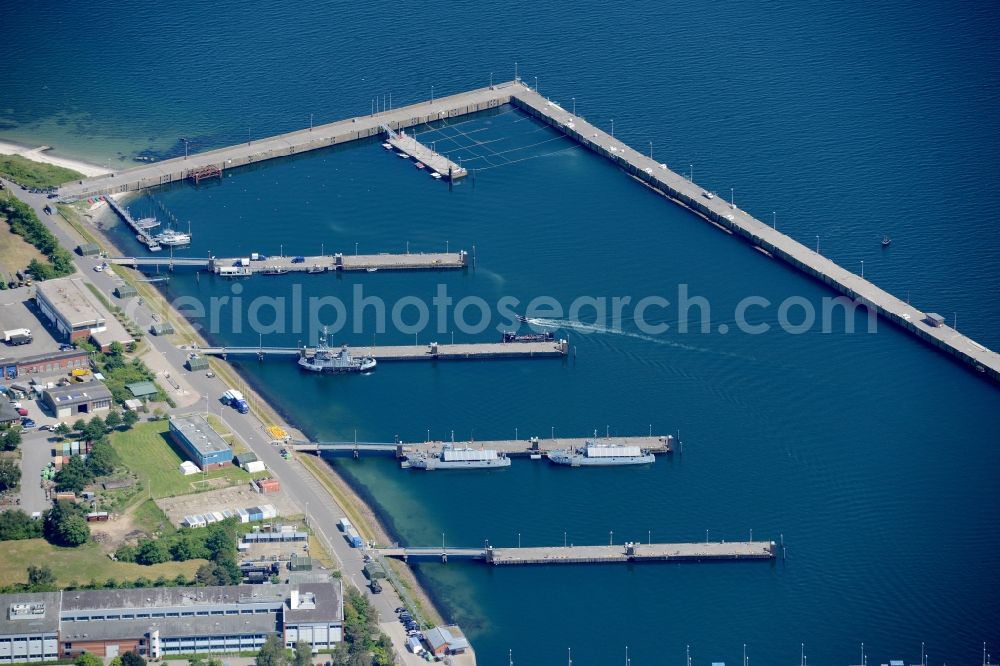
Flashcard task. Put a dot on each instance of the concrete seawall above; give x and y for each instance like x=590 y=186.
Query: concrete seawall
x=717 y=211
x=292 y=143
x=647 y=171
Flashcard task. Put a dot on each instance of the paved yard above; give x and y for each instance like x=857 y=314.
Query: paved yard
x=237 y=497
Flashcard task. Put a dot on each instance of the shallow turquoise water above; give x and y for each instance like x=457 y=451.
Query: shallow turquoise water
x=873 y=455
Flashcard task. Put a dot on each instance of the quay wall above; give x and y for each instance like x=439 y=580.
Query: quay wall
x=291 y=143
x=682 y=191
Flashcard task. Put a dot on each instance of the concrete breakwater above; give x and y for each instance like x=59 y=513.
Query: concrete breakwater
x=924 y=325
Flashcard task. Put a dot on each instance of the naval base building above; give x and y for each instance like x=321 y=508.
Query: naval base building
x=158 y=622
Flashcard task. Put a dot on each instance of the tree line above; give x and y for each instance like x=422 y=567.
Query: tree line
x=25 y=223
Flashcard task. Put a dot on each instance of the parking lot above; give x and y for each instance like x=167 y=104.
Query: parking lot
x=235 y=497
x=17 y=310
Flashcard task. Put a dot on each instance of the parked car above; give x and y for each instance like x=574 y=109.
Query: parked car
x=46 y=428
x=27 y=423
x=66 y=347
x=22 y=411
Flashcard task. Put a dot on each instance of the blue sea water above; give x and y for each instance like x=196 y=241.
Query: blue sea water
x=874 y=456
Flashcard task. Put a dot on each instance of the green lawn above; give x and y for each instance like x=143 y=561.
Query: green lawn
x=29 y=173
x=80 y=565
x=151 y=455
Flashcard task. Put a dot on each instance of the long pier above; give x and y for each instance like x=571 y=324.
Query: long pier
x=647 y=171
x=688 y=194
x=512 y=448
x=292 y=143
x=469 y=351
x=624 y=553
x=273 y=265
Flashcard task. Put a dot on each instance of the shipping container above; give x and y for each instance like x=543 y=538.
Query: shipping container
x=344 y=524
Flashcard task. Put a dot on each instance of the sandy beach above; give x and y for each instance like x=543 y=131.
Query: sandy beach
x=40 y=154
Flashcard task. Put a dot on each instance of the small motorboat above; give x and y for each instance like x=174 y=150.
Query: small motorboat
x=436 y=176
x=419 y=165
x=373 y=269
x=885 y=241
x=404 y=156
x=521 y=318
x=387 y=146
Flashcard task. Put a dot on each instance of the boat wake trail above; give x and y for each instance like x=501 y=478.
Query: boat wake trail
x=604 y=330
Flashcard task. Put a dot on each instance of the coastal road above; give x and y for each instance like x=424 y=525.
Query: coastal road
x=305 y=490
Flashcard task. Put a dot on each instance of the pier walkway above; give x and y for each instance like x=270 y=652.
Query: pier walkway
x=532 y=446
x=410 y=261
x=716 y=210
x=624 y=553
x=292 y=143
x=654 y=175
x=142 y=228
x=432 y=352
x=436 y=162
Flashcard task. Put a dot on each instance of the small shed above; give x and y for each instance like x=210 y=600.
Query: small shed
x=126 y=291
x=253 y=467
x=300 y=563
x=133 y=405
x=197 y=362
x=187 y=468
x=162 y=328
x=8 y=413
x=242 y=459
x=934 y=319
x=88 y=249
x=142 y=390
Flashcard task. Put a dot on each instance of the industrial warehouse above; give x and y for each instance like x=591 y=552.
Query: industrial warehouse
x=157 y=622
x=77 y=315
x=199 y=440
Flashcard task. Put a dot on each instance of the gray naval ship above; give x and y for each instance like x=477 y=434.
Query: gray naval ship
x=327 y=360
x=594 y=454
x=451 y=457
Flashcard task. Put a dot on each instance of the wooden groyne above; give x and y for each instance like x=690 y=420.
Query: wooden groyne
x=611 y=554
x=761 y=236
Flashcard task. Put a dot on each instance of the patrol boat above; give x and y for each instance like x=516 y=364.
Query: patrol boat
x=594 y=454
x=327 y=360
x=460 y=458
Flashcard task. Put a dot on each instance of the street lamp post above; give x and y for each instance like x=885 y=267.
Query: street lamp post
x=310 y=122
x=432 y=94
x=186 y=142
x=574 y=106
x=536 y=84
x=862 y=268
x=817 y=243
x=612 y=128
x=650 y=150
x=774 y=219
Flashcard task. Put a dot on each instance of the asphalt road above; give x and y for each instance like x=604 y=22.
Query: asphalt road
x=320 y=509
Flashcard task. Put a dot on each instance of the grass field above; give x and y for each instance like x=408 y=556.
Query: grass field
x=15 y=252
x=80 y=565
x=149 y=452
x=29 y=173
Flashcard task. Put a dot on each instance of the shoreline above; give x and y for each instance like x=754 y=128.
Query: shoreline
x=42 y=155
x=343 y=493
